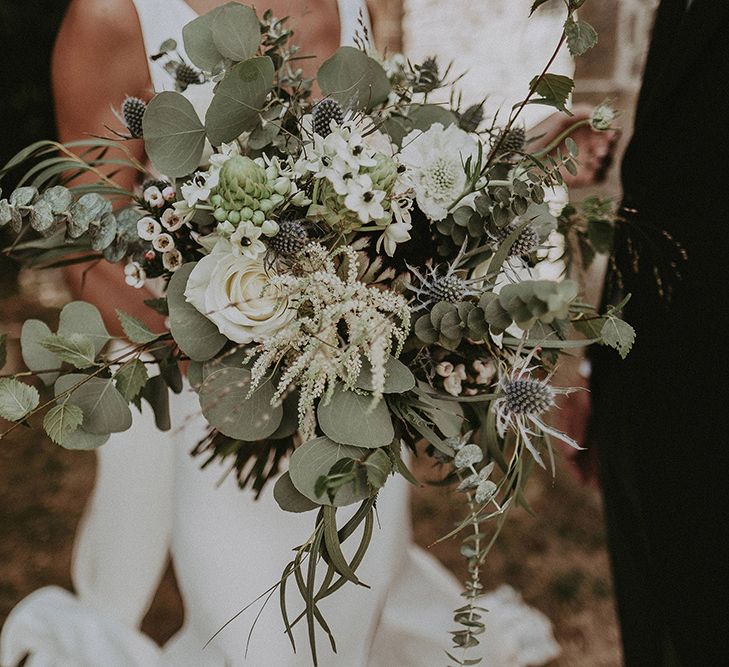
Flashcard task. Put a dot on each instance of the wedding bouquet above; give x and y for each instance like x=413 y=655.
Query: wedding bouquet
x=349 y=279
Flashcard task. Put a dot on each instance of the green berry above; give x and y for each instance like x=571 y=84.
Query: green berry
x=216 y=200
x=282 y=186
x=265 y=205
x=259 y=217
x=220 y=214
x=246 y=213
x=234 y=217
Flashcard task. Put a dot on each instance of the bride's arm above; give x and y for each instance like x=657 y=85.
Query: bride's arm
x=122 y=544
x=99 y=59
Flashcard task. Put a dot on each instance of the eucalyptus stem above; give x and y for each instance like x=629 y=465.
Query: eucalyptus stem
x=560 y=138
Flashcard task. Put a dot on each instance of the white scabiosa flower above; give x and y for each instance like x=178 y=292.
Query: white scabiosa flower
x=246 y=240
x=153 y=196
x=163 y=243
x=172 y=220
x=134 y=275
x=172 y=260
x=434 y=161
x=148 y=229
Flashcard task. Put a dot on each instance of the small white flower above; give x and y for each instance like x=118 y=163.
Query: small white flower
x=169 y=193
x=452 y=384
x=225 y=228
x=148 y=229
x=485 y=371
x=444 y=369
x=434 y=162
x=245 y=241
x=227 y=151
x=163 y=243
x=364 y=201
x=134 y=275
x=172 y=220
x=269 y=228
x=172 y=260
x=460 y=371
x=153 y=196
x=397 y=232
x=199 y=188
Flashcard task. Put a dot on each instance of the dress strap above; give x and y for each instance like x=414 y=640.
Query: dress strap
x=161 y=20
x=352 y=15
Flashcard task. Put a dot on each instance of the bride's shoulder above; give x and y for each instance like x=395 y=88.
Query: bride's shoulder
x=99 y=53
x=110 y=22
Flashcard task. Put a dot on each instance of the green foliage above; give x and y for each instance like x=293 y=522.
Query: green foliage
x=553 y=89
x=105 y=410
x=315 y=459
x=398 y=378
x=75 y=349
x=174 y=136
x=618 y=334
x=289 y=498
x=35 y=356
x=79 y=317
x=352 y=419
x=228 y=407
x=239 y=99
x=157 y=394
x=354 y=79
x=62 y=420
x=236 y=32
x=581 y=36
x=448 y=323
x=131 y=378
x=535 y=301
x=134 y=329
x=17 y=399
x=194 y=333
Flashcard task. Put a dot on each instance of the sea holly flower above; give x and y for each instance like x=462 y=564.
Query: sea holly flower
x=148 y=229
x=134 y=275
x=246 y=241
x=435 y=166
x=522 y=404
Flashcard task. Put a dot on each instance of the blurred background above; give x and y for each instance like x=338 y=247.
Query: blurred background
x=556 y=559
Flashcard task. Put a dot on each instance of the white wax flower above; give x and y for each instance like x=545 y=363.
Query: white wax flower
x=172 y=220
x=134 y=275
x=234 y=292
x=172 y=260
x=163 y=243
x=148 y=229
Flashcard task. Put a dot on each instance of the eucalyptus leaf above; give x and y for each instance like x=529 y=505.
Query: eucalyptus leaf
x=289 y=498
x=35 y=356
x=62 y=420
x=236 y=32
x=174 y=136
x=351 y=419
x=23 y=196
x=84 y=318
x=103 y=232
x=41 y=217
x=194 y=333
x=354 y=79
x=226 y=405
x=82 y=440
x=398 y=378
x=17 y=399
x=198 y=39
x=75 y=349
x=315 y=459
x=378 y=466
x=238 y=100
x=105 y=409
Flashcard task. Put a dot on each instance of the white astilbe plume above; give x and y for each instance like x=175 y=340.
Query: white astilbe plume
x=340 y=323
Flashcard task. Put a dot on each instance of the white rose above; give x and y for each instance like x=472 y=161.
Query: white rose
x=234 y=292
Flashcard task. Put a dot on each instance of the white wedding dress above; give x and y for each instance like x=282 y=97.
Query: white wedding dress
x=152 y=501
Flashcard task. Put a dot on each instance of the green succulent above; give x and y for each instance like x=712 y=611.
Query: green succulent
x=243 y=192
x=384 y=173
